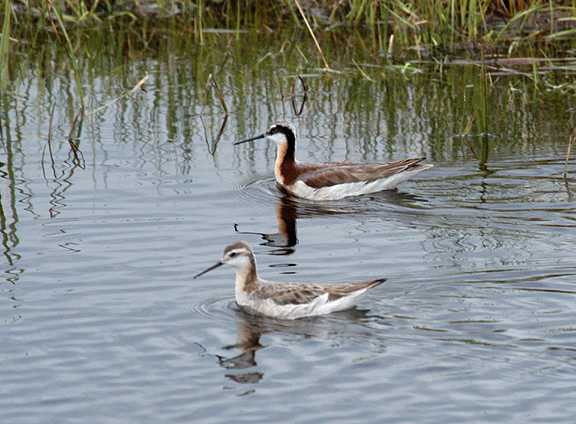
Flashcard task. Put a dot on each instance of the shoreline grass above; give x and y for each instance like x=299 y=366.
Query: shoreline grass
x=443 y=24
x=102 y=34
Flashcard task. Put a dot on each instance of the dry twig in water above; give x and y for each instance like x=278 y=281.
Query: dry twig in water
x=568 y=152
x=75 y=131
x=214 y=145
x=298 y=111
x=49 y=145
x=312 y=34
x=219 y=93
x=138 y=85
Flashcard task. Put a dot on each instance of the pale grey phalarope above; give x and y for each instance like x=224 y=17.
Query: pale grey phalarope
x=286 y=300
x=333 y=180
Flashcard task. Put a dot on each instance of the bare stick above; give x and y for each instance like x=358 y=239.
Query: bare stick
x=568 y=152
x=298 y=111
x=466 y=133
x=76 y=152
x=312 y=34
x=364 y=74
x=126 y=94
x=303 y=82
x=212 y=146
x=50 y=121
x=216 y=88
x=49 y=143
x=220 y=133
x=52 y=164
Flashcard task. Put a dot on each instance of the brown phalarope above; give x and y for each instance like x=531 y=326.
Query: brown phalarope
x=286 y=300
x=333 y=180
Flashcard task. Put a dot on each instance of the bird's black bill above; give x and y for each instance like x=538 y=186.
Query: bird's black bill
x=250 y=139
x=216 y=265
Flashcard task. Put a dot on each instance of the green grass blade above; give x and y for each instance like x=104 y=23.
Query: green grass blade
x=5 y=44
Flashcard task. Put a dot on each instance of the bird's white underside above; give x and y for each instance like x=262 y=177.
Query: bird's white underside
x=319 y=306
x=340 y=191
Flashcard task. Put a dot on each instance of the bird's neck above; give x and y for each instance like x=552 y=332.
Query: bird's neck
x=285 y=166
x=247 y=278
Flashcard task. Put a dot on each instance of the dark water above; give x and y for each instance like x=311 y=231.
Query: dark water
x=101 y=322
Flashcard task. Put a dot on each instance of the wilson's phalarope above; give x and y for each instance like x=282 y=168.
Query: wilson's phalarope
x=286 y=300
x=335 y=180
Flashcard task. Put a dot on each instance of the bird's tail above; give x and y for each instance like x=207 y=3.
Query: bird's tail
x=376 y=282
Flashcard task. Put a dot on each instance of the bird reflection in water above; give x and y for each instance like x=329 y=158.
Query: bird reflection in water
x=289 y=209
x=248 y=342
x=242 y=367
x=286 y=238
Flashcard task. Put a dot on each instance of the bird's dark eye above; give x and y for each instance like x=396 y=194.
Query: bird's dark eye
x=232 y=254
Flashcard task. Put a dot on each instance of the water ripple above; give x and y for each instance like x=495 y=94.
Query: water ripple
x=216 y=309
x=101 y=321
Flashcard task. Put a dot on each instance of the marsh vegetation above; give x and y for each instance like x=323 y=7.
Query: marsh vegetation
x=119 y=181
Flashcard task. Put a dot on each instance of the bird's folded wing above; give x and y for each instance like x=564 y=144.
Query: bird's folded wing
x=337 y=291
x=290 y=294
x=299 y=294
x=343 y=173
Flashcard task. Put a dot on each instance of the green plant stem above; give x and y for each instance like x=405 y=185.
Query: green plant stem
x=5 y=44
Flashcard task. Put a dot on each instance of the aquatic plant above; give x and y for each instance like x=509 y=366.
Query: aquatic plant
x=370 y=40
x=431 y=22
x=5 y=44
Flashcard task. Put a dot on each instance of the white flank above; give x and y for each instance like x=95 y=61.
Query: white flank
x=340 y=191
x=319 y=306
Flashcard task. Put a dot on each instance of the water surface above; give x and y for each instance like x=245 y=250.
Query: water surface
x=101 y=321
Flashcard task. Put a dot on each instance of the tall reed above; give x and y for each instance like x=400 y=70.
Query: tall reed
x=5 y=44
x=391 y=28
x=71 y=55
